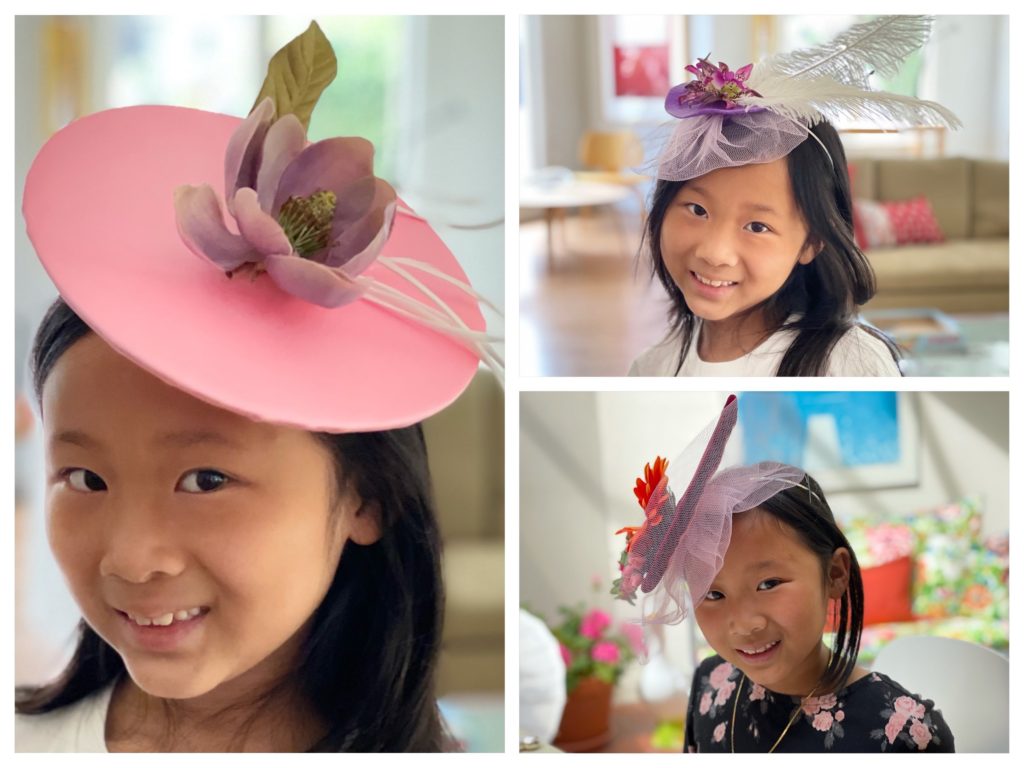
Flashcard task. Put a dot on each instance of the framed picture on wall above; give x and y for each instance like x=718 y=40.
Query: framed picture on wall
x=847 y=441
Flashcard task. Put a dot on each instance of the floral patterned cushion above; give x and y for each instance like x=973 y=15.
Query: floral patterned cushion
x=945 y=547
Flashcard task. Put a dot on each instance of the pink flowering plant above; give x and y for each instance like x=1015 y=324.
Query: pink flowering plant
x=592 y=646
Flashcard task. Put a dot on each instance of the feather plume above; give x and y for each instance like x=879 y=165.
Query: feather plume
x=878 y=46
x=809 y=100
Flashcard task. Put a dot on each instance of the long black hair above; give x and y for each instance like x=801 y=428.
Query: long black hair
x=368 y=664
x=807 y=513
x=826 y=293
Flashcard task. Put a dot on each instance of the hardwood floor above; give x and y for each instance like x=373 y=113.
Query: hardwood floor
x=594 y=308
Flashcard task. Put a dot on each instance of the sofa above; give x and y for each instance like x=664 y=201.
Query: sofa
x=465 y=446
x=969 y=271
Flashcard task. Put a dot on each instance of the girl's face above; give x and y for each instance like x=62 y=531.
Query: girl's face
x=731 y=238
x=766 y=608
x=226 y=531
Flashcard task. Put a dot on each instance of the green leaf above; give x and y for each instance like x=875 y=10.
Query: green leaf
x=299 y=73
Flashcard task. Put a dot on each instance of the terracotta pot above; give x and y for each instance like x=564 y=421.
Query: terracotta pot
x=586 y=720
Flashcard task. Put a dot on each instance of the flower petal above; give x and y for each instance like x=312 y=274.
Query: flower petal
x=259 y=229
x=354 y=239
x=360 y=261
x=201 y=226
x=331 y=164
x=245 y=148
x=311 y=282
x=285 y=140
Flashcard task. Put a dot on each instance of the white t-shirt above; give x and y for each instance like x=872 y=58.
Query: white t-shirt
x=78 y=727
x=857 y=353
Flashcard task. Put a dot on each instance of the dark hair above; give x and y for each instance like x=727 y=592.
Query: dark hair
x=826 y=293
x=806 y=511
x=368 y=664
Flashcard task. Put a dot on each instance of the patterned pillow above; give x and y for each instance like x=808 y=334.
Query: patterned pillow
x=940 y=541
x=914 y=221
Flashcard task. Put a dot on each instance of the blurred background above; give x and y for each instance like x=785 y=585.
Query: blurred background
x=428 y=92
x=591 y=112
x=917 y=480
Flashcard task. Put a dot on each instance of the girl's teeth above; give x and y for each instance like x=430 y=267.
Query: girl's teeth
x=762 y=649
x=713 y=283
x=167 y=619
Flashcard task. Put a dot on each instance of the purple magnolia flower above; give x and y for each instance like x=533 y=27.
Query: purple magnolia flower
x=715 y=91
x=312 y=216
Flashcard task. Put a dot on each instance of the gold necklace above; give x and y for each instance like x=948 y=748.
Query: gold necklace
x=792 y=718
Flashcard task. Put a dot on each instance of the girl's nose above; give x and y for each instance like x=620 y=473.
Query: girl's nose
x=140 y=542
x=717 y=249
x=748 y=623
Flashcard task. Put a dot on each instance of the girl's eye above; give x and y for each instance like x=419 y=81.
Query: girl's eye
x=769 y=584
x=696 y=209
x=713 y=595
x=202 y=481
x=758 y=227
x=84 y=480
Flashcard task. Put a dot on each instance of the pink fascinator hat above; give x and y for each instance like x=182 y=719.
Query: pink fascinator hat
x=264 y=274
x=760 y=112
x=672 y=557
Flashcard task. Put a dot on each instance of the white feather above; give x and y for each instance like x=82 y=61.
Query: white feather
x=810 y=99
x=879 y=46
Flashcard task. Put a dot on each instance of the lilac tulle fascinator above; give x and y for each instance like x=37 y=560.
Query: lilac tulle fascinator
x=671 y=559
x=761 y=112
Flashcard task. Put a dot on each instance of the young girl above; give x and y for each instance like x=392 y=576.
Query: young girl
x=757 y=551
x=237 y=485
x=751 y=224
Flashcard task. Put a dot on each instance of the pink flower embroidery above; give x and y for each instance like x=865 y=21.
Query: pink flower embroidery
x=606 y=652
x=894 y=726
x=720 y=674
x=840 y=715
x=594 y=624
x=724 y=693
x=822 y=721
x=909 y=707
x=757 y=693
x=920 y=734
x=719 y=733
x=705 y=703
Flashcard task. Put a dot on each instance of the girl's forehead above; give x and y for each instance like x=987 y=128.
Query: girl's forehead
x=758 y=535
x=94 y=389
x=756 y=184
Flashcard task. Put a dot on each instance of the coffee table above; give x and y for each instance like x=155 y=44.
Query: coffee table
x=556 y=199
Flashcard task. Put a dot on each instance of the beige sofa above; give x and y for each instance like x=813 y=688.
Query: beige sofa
x=466 y=448
x=970 y=272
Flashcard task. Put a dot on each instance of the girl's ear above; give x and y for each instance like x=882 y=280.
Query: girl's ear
x=811 y=249
x=365 y=523
x=839 y=573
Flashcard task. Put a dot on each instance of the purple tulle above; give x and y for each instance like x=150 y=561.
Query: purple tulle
x=706 y=142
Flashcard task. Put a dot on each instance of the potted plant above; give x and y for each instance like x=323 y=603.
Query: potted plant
x=595 y=656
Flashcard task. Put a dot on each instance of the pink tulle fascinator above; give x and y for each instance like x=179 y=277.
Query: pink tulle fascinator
x=266 y=274
x=762 y=111
x=671 y=559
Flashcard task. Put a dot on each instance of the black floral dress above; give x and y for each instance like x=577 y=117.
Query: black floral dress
x=873 y=714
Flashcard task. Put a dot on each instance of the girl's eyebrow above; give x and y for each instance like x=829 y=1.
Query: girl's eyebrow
x=759 y=207
x=178 y=439
x=764 y=564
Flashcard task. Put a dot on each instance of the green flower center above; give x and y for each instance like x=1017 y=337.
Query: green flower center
x=307 y=221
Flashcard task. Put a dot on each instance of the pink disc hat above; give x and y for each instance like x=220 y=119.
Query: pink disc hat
x=372 y=327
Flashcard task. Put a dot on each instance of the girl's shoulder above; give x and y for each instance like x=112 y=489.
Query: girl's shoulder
x=78 y=727
x=860 y=353
x=885 y=715
x=661 y=359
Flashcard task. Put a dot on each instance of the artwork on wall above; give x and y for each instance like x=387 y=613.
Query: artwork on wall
x=846 y=440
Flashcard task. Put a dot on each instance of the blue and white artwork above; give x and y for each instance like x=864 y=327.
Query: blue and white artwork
x=845 y=439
